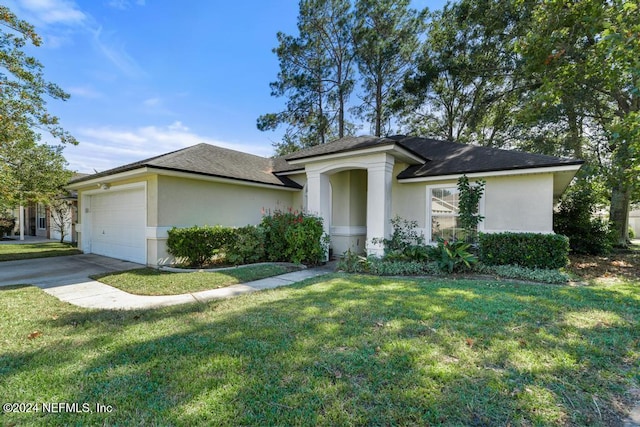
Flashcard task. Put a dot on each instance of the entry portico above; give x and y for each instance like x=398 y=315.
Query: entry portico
x=378 y=164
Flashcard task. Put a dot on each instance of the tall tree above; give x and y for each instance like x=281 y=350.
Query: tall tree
x=27 y=167
x=462 y=86
x=386 y=39
x=316 y=75
x=588 y=51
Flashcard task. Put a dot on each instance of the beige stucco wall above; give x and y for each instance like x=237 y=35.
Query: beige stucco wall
x=519 y=203
x=183 y=202
x=409 y=200
x=297 y=197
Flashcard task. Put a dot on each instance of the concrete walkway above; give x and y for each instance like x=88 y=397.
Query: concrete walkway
x=92 y=294
x=66 y=278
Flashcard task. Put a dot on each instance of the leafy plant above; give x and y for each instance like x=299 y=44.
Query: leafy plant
x=470 y=196
x=405 y=242
x=451 y=255
x=351 y=262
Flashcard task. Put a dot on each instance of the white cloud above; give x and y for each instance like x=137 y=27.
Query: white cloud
x=84 y=92
x=115 y=53
x=54 y=11
x=106 y=147
x=124 y=4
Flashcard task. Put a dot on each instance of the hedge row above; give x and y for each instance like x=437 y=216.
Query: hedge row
x=529 y=250
x=282 y=236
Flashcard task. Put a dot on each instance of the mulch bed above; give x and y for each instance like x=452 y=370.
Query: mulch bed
x=620 y=263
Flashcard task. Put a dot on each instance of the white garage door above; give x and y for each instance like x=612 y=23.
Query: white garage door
x=118 y=223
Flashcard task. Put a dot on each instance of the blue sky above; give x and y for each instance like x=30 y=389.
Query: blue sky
x=147 y=77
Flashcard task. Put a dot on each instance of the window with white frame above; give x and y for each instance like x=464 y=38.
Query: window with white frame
x=443 y=208
x=41 y=214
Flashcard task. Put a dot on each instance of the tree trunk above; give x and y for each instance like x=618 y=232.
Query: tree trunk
x=619 y=213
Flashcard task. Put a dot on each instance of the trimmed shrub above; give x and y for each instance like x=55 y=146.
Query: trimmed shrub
x=294 y=237
x=246 y=246
x=198 y=245
x=530 y=250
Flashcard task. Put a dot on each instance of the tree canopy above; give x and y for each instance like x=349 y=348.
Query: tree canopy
x=30 y=170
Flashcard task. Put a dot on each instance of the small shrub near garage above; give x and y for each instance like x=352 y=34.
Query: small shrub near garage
x=199 y=244
x=531 y=250
x=246 y=246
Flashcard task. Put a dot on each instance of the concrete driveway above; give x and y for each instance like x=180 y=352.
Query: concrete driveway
x=63 y=270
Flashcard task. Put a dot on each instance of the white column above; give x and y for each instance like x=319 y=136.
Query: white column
x=21 y=219
x=318 y=198
x=379 y=179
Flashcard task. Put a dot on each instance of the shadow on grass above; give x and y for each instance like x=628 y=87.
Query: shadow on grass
x=346 y=350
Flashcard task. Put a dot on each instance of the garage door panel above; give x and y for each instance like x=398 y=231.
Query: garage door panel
x=118 y=225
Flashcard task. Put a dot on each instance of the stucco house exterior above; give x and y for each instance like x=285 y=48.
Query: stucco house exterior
x=356 y=184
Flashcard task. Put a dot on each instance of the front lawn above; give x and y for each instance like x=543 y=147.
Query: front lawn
x=12 y=252
x=335 y=350
x=149 y=281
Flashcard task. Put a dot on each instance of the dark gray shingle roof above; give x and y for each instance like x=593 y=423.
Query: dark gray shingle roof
x=342 y=145
x=451 y=158
x=209 y=160
x=441 y=157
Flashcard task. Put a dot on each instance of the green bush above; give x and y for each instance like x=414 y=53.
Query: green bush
x=632 y=234
x=530 y=250
x=246 y=245
x=294 y=237
x=575 y=219
x=198 y=245
x=6 y=225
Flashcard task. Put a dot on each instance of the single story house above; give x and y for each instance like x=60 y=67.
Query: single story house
x=356 y=184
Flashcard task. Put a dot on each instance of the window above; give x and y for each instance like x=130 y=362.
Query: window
x=443 y=209
x=42 y=217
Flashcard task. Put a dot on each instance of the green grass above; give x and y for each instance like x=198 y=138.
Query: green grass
x=12 y=252
x=337 y=350
x=149 y=281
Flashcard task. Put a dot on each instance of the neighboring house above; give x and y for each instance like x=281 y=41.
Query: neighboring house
x=39 y=218
x=356 y=184
x=634 y=221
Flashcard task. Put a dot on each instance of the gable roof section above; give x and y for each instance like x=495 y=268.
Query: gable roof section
x=208 y=160
x=451 y=158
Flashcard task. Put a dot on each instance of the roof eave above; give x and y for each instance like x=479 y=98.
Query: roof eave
x=141 y=171
x=502 y=172
x=395 y=149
